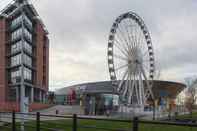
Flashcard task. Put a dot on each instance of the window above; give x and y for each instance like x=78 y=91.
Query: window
x=28 y=21
x=27 y=60
x=27 y=47
x=16 y=60
x=16 y=47
x=16 y=34
x=16 y=21
x=15 y=75
x=27 y=74
x=28 y=34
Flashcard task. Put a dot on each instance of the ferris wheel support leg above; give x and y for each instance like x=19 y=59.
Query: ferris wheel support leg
x=122 y=81
x=147 y=83
x=137 y=95
x=126 y=85
x=143 y=95
x=132 y=85
x=140 y=90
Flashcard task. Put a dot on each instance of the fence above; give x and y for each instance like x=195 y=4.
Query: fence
x=40 y=122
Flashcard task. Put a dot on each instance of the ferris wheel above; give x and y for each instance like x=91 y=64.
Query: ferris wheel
x=131 y=59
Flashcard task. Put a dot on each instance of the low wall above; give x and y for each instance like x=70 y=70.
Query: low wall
x=38 y=106
x=9 y=106
x=14 y=106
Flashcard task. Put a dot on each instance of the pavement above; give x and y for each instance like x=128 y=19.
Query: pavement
x=62 y=110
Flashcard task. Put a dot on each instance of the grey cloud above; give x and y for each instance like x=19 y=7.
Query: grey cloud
x=79 y=33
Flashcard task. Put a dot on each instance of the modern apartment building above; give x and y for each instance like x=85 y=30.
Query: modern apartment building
x=24 y=54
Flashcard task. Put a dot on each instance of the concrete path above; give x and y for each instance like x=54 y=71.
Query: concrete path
x=62 y=110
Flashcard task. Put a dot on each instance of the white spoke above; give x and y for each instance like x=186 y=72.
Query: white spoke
x=145 y=66
x=122 y=34
x=146 y=60
x=132 y=45
x=129 y=39
x=121 y=42
x=140 y=38
x=133 y=34
x=122 y=81
x=125 y=38
x=137 y=38
x=125 y=52
x=120 y=57
x=145 y=53
x=123 y=66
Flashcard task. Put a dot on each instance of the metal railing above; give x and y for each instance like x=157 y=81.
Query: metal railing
x=42 y=122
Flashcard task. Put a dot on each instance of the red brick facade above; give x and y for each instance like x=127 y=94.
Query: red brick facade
x=3 y=83
x=46 y=63
x=42 y=58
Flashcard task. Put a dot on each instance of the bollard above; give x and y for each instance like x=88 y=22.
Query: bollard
x=56 y=112
x=74 y=122
x=38 y=121
x=135 y=124
x=13 y=121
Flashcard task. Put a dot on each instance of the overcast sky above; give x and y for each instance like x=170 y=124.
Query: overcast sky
x=79 y=34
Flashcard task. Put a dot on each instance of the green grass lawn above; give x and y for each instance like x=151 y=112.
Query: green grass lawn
x=66 y=125
x=188 y=116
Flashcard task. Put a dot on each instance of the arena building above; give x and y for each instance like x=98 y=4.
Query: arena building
x=96 y=96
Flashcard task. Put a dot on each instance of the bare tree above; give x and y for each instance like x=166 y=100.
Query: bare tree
x=191 y=97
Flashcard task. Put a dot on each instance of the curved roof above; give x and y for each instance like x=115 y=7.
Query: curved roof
x=160 y=88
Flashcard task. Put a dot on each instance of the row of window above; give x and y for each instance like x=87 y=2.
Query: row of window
x=27 y=47
x=27 y=60
x=19 y=19
x=28 y=34
x=18 y=46
x=28 y=21
x=16 y=21
x=18 y=33
x=17 y=60
x=17 y=74
x=27 y=74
